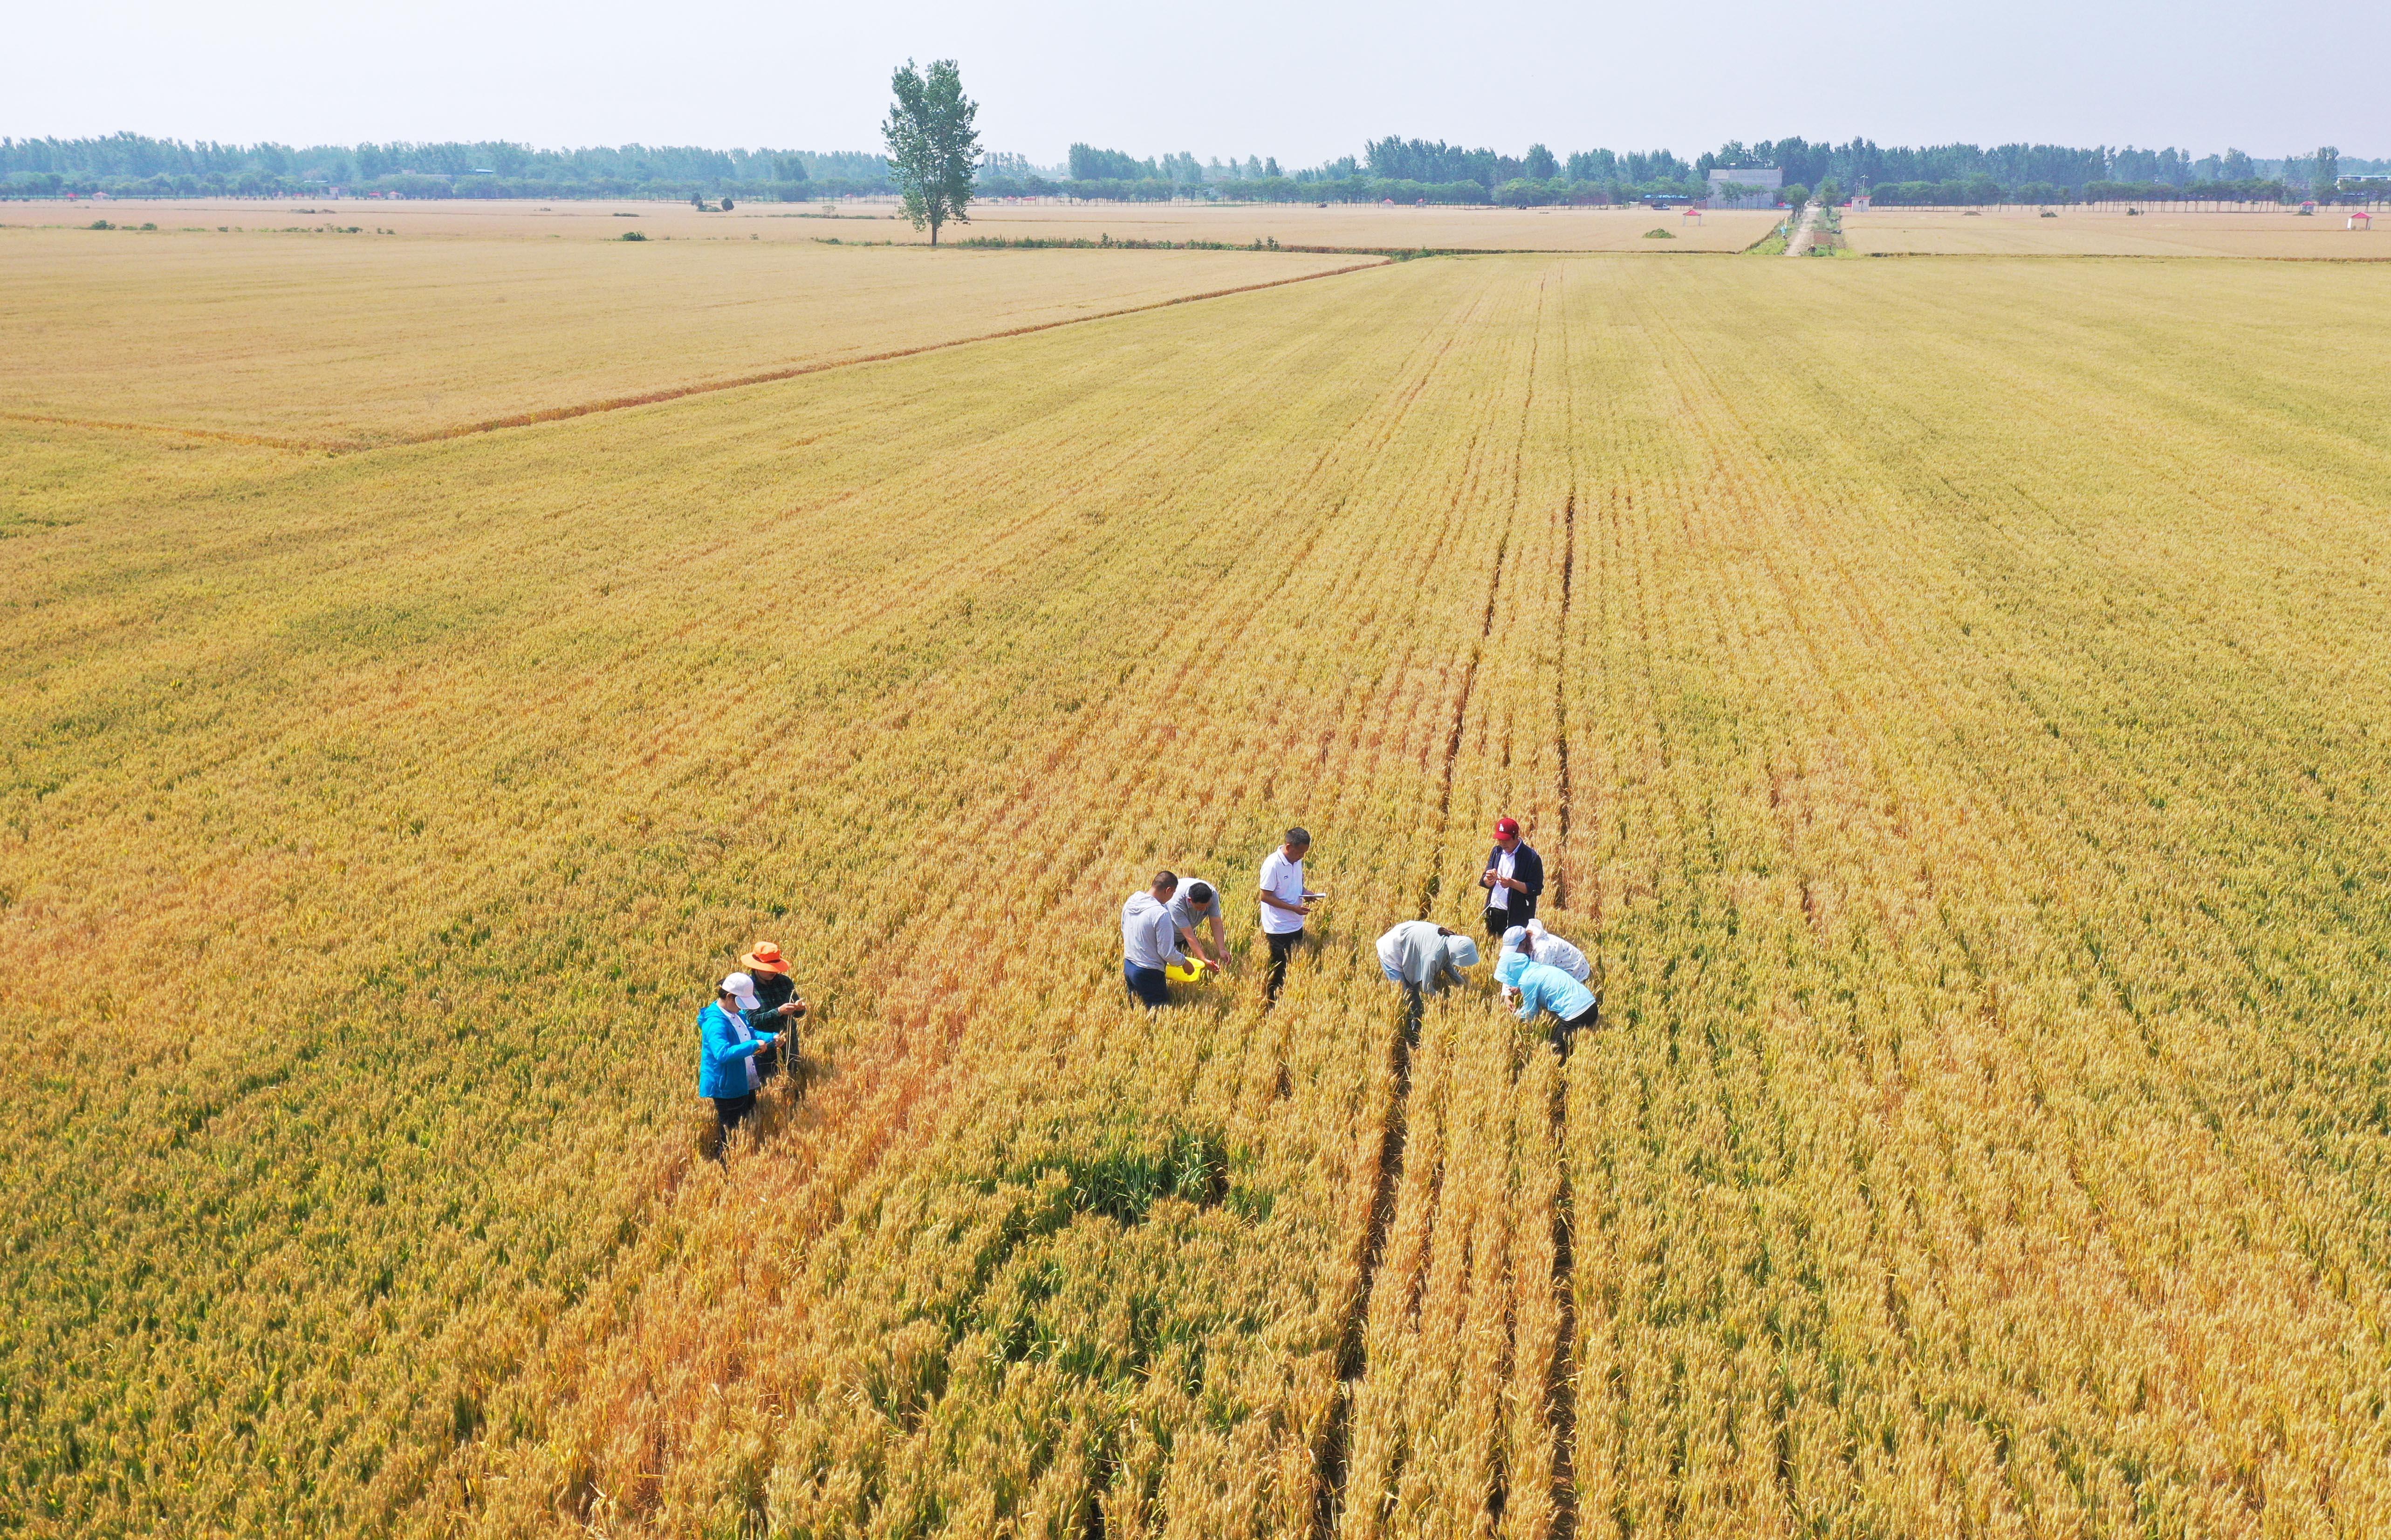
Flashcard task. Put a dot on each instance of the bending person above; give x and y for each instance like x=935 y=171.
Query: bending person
x=1542 y=989
x=727 y=1045
x=1198 y=904
x=1543 y=946
x=1425 y=958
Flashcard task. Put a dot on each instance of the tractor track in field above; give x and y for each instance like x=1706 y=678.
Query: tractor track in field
x=1561 y=1386
x=1354 y=1353
x=1560 y=697
x=350 y=445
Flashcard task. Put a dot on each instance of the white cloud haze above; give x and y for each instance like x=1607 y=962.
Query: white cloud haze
x=1303 y=82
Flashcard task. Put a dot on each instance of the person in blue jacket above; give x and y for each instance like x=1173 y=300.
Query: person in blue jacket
x=727 y=1042
x=1542 y=988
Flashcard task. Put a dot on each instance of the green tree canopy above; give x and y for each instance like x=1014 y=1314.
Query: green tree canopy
x=2328 y=171
x=933 y=149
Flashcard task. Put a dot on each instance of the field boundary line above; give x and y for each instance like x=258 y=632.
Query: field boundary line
x=222 y=435
x=675 y=392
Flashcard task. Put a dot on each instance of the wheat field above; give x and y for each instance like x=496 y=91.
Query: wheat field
x=1949 y=698
x=2072 y=231
x=343 y=341
x=1369 y=227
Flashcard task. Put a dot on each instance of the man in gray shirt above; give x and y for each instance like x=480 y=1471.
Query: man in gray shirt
x=1199 y=903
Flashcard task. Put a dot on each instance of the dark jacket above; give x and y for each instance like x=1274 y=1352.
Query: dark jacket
x=1527 y=867
x=772 y=991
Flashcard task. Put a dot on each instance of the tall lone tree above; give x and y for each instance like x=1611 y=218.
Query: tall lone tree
x=2328 y=173
x=933 y=149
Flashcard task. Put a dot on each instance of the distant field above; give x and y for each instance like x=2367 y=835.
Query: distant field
x=571 y=219
x=350 y=339
x=1293 y=225
x=1949 y=697
x=2106 y=232
x=1375 y=226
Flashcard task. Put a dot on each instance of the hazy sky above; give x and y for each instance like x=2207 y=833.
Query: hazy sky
x=1303 y=79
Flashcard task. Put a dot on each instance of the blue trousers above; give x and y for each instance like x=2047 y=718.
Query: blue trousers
x=1147 y=984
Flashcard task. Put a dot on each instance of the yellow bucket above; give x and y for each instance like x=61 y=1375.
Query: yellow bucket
x=1187 y=972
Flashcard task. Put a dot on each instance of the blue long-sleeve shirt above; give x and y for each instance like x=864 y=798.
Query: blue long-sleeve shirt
x=726 y=1053
x=1544 y=988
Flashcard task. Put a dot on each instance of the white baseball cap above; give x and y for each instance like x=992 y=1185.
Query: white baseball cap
x=741 y=987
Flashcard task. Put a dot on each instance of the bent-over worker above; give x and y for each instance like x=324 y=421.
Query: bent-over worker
x=1199 y=903
x=1544 y=989
x=1543 y=946
x=1425 y=958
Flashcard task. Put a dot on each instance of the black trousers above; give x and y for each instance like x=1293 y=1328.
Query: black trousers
x=1586 y=1020
x=1281 y=949
x=732 y=1111
x=1498 y=921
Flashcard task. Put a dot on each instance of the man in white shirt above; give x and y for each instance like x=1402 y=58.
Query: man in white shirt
x=1149 y=941
x=1543 y=946
x=1286 y=903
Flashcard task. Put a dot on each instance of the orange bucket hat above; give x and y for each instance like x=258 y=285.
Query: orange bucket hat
x=765 y=958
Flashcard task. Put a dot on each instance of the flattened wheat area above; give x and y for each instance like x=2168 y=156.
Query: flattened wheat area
x=1949 y=697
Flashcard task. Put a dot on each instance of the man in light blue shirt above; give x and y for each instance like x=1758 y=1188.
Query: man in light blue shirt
x=1544 y=989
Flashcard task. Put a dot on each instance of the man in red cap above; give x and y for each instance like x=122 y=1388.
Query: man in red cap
x=1514 y=879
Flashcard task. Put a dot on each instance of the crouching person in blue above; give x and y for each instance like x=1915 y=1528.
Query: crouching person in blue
x=727 y=1044
x=1542 y=989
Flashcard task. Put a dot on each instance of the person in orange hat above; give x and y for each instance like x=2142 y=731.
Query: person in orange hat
x=776 y=992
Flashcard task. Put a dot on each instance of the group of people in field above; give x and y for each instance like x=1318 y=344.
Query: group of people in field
x=1176 y=932
x=1165 y=928
x=748 y=1036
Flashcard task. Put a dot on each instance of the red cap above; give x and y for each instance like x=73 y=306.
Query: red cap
x=1506 y=828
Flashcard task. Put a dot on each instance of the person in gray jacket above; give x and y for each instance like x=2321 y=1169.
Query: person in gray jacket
x=1425 y=958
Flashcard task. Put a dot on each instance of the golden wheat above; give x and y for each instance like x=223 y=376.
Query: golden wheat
x=1956 y=728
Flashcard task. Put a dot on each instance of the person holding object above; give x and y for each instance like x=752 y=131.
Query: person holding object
x=1199 y=903
x=1423 y=957
x=1514 y=879
x=1541 y=987
x=1285 y=905
x=1543 y=946
x=727 y=1046
x=778 y=993
x=1149 y=941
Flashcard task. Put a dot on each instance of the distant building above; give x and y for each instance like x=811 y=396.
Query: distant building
x=1745 y=187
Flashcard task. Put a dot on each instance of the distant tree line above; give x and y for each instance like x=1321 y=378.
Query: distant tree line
x=1415 y=170
x=133 y=164
x=1404 y=170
